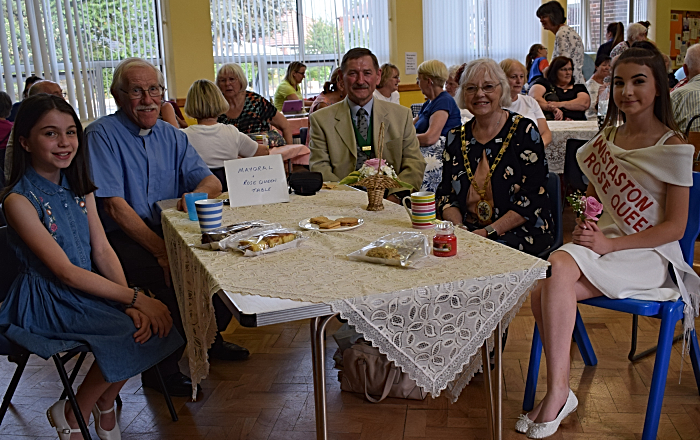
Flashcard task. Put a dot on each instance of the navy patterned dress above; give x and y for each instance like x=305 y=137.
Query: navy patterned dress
x=46 y=316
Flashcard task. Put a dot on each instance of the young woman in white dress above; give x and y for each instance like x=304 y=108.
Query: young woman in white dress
x=619 y=257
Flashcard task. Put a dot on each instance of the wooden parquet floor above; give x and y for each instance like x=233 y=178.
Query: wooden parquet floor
x=270 y=395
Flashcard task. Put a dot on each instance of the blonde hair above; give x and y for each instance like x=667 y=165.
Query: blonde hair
x=293 y=67
x=479 y=67
x=435 y=70
x=387 y=73
x=510 y=64
x=234 y=70
x=205 y=100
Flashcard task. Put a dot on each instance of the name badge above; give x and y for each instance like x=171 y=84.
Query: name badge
x=367 y=148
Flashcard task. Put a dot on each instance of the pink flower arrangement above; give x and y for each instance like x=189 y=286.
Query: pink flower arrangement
x=374 y=163
x=585 y=208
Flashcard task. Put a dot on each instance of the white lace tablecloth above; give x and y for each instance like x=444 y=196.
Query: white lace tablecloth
x=431 y=321
x=561 y=132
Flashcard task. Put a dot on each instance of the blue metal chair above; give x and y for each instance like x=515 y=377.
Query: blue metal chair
x=670 y=312
x=556 y=208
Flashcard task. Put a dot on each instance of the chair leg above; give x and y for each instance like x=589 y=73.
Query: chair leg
x=583 y=342
x=658 y=378
x=21 y=363
x=166 y=394
x=533 y=370
x=74 y=373
x=694 y=357
x=633 y=355
x=71 y=397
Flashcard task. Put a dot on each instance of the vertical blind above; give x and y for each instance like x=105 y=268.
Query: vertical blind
x=457 y=31
x=76 y=43
x=264 y=36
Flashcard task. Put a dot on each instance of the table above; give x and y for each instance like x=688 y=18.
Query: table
x=436 y=322
x=561 y=132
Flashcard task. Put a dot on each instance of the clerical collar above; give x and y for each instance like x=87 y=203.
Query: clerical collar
x=144 y=132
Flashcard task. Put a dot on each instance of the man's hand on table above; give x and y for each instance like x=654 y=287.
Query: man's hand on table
x=162 y=258
x=393 y=198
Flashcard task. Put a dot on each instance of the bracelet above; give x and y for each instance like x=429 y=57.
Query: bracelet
x=133 y=301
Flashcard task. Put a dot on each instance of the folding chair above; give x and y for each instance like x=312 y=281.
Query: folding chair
x=670 y=312
x=556 y=208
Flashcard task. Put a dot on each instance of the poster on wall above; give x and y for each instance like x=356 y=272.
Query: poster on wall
x=685 y=31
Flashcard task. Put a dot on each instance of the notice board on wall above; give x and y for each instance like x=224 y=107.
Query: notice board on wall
x=685 y=31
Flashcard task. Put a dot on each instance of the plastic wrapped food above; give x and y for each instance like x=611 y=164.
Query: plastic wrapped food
x=258 y=243
x=227 y=237
x=405 y=249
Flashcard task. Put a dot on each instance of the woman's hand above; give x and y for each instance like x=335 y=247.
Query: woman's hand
x=142 y=323
x=157 y=313
x=480 y=232
x=588 y=234
x=453 y=215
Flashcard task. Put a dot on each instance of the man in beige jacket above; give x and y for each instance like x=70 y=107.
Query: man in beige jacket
x=343 y=135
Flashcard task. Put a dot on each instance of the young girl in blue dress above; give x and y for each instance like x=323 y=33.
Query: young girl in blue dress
x=57 y=302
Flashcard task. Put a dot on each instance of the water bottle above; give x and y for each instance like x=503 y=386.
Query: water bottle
x=603 y=99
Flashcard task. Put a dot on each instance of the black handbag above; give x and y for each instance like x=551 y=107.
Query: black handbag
x=306 y=183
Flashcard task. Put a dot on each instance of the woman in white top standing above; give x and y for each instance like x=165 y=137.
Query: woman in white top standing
x=216 y=142
x=388 y=88
x=594 y=84
x=523 y=104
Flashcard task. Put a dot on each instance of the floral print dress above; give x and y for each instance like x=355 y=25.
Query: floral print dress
x=518 y=183
x=568 y=43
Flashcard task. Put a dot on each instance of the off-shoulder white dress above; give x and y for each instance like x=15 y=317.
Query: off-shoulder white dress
x=642 y=273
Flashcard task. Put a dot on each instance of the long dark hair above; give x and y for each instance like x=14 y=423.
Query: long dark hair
x=618 y=31
x=662 y=104
x=30 y=112
x=532 y=56
x=557 y=64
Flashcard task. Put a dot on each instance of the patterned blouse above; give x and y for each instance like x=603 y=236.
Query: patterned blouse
x=518 y=182
x=255 y=117
x=567 y=43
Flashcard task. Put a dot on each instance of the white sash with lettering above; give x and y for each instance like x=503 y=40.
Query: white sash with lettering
x=631 y=206
x=634 y=209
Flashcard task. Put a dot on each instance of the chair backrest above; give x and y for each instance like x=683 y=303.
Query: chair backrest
x=694 y=139
x=692 y=228
x=573 y=175
x=9 y=265
x=555 y=206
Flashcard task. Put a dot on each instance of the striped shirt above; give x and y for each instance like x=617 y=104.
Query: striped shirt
x=686 y=104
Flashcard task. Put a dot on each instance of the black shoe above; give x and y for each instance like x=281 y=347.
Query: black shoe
x=177 y=384
x=228 y=351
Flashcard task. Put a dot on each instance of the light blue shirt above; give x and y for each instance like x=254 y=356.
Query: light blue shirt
x=141 y=166
x=355 y=107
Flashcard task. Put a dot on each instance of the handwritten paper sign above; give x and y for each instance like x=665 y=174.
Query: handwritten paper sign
x=256 y=181
x=411 y=63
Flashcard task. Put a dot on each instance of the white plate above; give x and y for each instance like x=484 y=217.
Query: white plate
x=306 y=224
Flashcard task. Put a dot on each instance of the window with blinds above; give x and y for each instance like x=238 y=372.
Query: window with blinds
x=457 y=31
x=264 y=36
x=76 y=43
x=585 y=17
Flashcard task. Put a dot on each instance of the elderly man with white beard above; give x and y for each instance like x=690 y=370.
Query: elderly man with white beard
x=137 y=160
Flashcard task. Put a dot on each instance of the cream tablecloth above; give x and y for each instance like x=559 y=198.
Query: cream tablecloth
x=561 y=132
x=431 y=321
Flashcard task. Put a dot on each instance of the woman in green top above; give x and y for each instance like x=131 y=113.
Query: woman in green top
x=290 y=87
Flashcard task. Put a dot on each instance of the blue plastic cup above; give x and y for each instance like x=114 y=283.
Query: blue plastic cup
x=190 y=198
x=209 y=212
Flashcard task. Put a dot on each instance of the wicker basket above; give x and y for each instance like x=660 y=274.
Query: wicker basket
x=375 y=190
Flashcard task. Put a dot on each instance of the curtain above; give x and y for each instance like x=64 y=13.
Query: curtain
x=456 y=31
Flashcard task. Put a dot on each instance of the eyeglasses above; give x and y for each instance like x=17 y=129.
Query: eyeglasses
x=138 y=92
x=487 y=88
x=60 y=94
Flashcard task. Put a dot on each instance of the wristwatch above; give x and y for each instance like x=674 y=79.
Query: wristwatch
x=490 y=232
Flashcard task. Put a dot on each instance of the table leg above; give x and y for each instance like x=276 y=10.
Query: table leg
x=486 y=365
x=498 y=358
x=318 y=353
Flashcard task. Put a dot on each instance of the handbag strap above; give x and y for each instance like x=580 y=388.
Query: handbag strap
x=387 y=385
